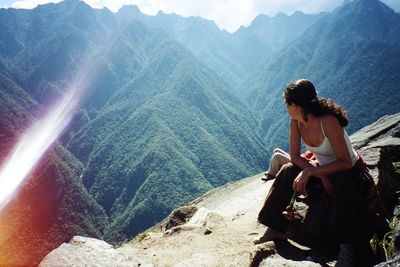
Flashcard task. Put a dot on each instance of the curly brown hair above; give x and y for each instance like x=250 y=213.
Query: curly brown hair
x=302 y=93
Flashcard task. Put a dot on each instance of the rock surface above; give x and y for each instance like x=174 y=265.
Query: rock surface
x=217 y=229
x=84 y=251
x=379 y=145
x=180 y=216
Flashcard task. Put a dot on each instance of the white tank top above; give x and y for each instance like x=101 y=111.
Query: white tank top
x=324 y=152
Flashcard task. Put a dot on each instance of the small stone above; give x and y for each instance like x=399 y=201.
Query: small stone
x=81 y=251
x=261 y=252
x=180 y=216
x=207 y=231
x=396 y=131
x=207 y=218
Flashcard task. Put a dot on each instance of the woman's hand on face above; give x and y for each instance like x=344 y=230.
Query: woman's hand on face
x=300 y=183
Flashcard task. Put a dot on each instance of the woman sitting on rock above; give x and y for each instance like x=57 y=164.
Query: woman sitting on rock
x=319 y=123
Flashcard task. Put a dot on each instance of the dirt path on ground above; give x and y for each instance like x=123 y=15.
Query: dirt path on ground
x=223 y=239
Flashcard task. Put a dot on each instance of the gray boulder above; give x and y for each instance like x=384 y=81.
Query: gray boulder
x=84 y=251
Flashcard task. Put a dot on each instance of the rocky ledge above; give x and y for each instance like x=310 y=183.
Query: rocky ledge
x=218 y=228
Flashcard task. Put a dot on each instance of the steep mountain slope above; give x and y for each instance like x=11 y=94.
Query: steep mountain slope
x=352 y=56
x=217 y=228
x=54 y=41
x=167 y=136
x=52 y=205
x=49 y=47
x=232 y=56
x=202 y=37
x=17 y=109
x=157 y=129
x=266 y=35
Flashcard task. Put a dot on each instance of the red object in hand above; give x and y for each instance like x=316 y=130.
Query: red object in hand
x=308 y=155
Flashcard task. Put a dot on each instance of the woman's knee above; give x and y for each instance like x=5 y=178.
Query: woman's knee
x=288 y=171
x=290 y=168
x=282 y=158
x=278 y=150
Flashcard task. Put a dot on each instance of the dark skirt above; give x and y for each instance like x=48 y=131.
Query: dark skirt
x=348 y=207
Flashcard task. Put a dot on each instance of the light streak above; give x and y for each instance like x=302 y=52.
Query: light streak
x=36 y=140
x=33 y=144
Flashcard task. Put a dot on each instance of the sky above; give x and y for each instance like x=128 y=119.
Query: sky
x=227 y=14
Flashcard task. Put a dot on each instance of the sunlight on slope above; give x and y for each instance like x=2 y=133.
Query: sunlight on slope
x=36 y=140
x=33 y=144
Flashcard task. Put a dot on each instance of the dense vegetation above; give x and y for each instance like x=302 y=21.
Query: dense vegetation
x=165 y=116
x=52 y=205
x=184 y=137
x=351 y=55
x=232 y=56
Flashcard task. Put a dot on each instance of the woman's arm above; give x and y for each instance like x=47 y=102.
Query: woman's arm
x=335 y=134
x=295 y=146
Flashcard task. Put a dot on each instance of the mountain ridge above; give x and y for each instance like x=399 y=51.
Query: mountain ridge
x=334 y=61
x=160 y=124
x=231 y=55
x=186 y=91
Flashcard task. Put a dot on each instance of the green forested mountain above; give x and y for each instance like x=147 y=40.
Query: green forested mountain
x=170 y=134
x=351 y=55
x=17 y=110
x=42 y=52
x=156 y=129
x=266 y=35
x=65 y=36
x=51 y=206
x=232 y=56
x=202 y=37
x=160 y=123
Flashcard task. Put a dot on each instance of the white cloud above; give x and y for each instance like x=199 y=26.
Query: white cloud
x=289 y=6
x=394 y=4
x=28 y=4
x=227 y=14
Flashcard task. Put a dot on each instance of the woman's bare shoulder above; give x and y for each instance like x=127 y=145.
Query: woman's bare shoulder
x=331 y=124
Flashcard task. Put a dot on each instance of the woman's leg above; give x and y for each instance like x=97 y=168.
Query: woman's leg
x=346 y=209
x=280 y=151
x=278 y=198
x=278 y=160
x=350 y=222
